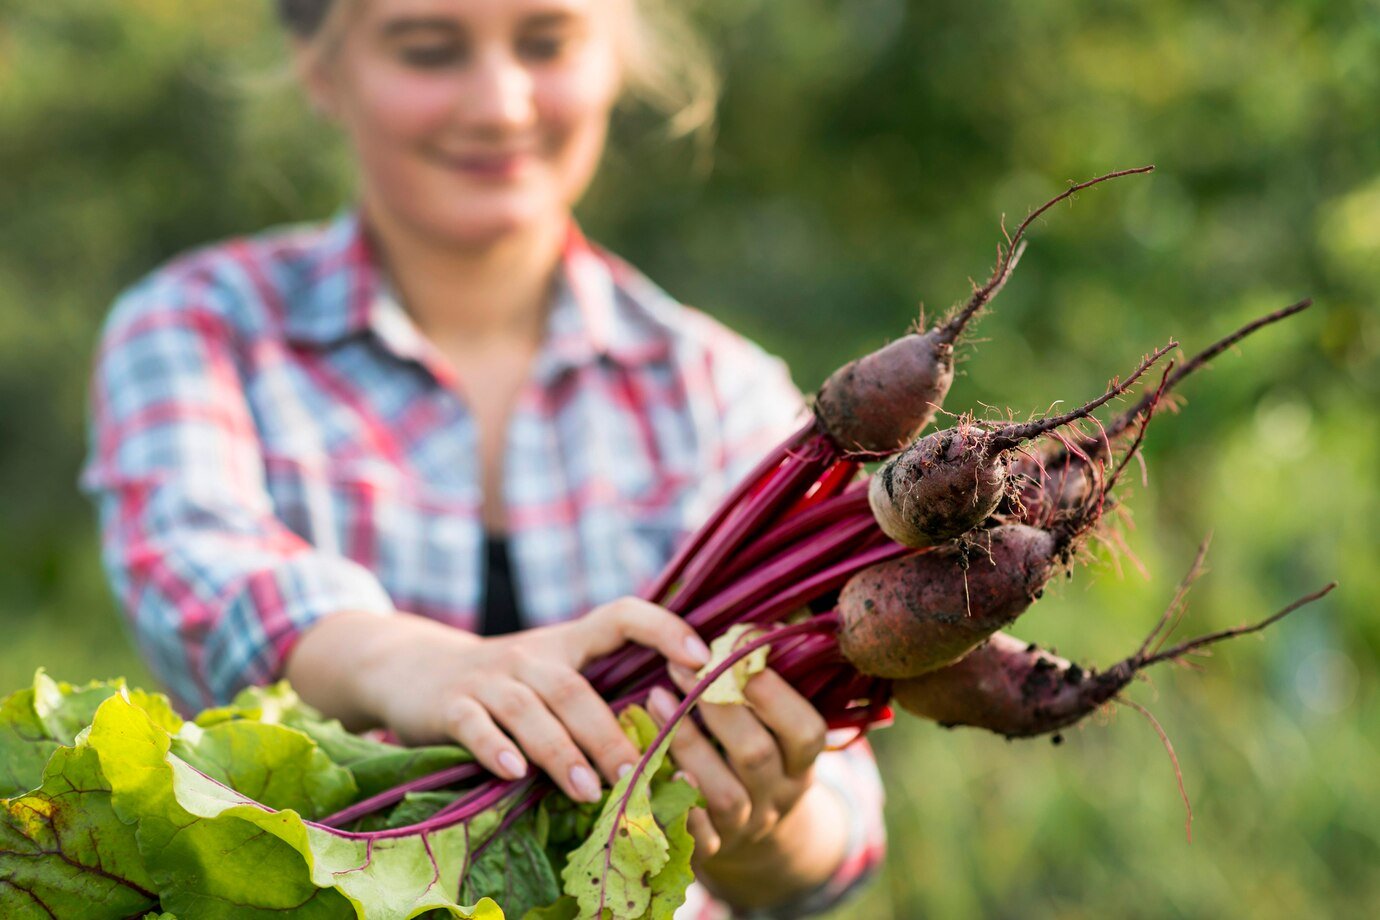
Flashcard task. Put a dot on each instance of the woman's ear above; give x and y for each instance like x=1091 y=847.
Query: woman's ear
x=316 y=77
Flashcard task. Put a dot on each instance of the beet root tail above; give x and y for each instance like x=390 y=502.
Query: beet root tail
x=1018 y=690
x=1010 y=435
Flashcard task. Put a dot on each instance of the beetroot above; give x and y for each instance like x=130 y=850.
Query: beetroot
x=857 y=405
x=872 y=406
x=1045 y=489
x=1006 y=686
x=915 y=614
x=949 y=482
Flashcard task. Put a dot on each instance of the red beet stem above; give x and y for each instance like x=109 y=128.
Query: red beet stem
x=643 y=666
x=805 y=525
x=656 y=591
x=456 y=774
x=796 y=476
x=834 y=482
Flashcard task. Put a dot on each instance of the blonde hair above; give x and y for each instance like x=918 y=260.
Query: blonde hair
x=665 y=65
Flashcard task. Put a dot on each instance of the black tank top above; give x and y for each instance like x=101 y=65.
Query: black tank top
x=500 y=610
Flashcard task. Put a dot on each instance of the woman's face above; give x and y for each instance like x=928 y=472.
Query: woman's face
x=473 y=119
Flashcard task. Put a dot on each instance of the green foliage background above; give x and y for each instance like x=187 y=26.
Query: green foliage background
x=867 y=151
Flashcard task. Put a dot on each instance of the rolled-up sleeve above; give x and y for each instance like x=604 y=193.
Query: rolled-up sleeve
x=216 y=588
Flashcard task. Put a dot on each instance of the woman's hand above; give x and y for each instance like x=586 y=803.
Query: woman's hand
x=757 y=827
x=503 y=696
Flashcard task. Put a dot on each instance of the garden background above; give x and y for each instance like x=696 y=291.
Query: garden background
x=867 y=151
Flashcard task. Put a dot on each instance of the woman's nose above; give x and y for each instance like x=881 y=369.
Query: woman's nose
x=499 y=95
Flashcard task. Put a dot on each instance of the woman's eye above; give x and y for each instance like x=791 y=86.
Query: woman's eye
x=542 y=48
x=430 y=57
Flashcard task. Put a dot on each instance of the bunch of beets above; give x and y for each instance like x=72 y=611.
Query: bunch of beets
x=859 y=591
x=894 y=587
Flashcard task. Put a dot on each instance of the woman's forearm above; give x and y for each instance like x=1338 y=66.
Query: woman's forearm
x=335 y=663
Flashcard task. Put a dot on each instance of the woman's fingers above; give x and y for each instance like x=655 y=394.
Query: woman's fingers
x=799 y=730
x=470 y=724
x=797 y=725
x=518 y=709
x=727 y=799
x=584 y=714
x=707 y=839
x=751 y=749
x=629 y=619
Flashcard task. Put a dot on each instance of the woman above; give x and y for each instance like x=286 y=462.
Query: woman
x=306 y=443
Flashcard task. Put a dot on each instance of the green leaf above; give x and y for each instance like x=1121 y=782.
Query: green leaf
x=36 y=721
x=671 y=804
x=567 y=823
x=66 y=709
x=638 y=725
x=641 y=730
x=728 y=686
x=275 y=703
x=25 y=744
x=567 y=908
x=206 y=821
x=568 y=820
x=629 y=868
x=514 y=870
x=63 y=851
x=376 y=765
x=274 y=765
x=216 y=855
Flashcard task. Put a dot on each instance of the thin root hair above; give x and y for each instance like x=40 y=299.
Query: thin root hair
x=1178 y=603
x=1010 y=254
x=1128 y=418
x=1173 y=759
x=1192 y=645
x=1016 y=433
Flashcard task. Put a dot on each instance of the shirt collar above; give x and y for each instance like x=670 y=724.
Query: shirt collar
x=339 y=283
x=602 y=309
x=598 y=312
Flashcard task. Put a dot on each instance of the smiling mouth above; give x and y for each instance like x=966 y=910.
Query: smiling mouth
x=493 y=167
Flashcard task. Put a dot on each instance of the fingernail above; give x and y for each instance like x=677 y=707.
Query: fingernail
x=685 y=777
x=661 y=704
x=697 y=650
x=624 y=770
x=512 y=764
x=585 y=783
x=682 y=676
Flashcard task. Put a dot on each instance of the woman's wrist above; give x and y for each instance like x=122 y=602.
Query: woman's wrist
x=340 y=664
x=803 y=850
x=391 y=652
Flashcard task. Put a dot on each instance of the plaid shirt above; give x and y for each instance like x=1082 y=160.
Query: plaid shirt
x=274 y=440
